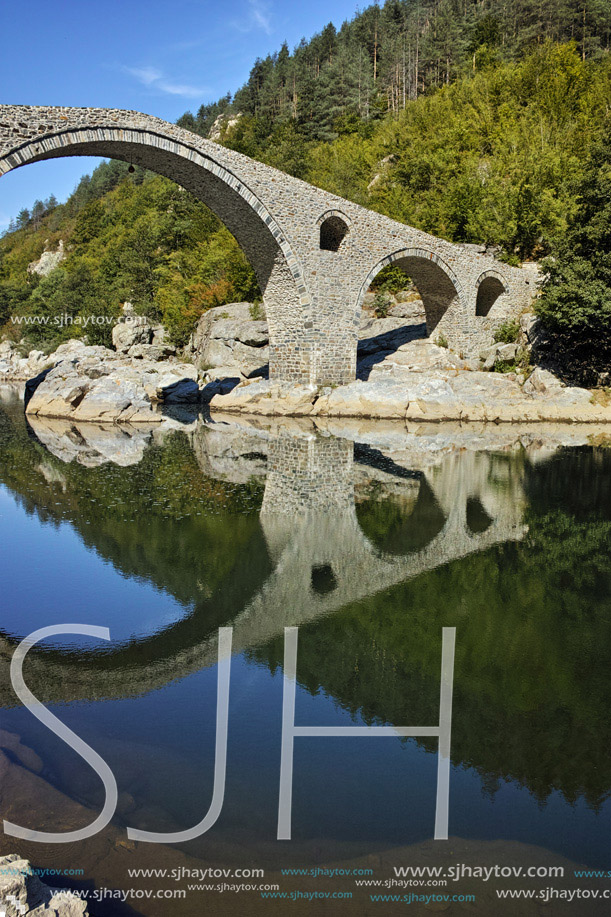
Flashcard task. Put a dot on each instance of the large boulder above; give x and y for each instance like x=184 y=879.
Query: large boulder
x=229 y=338
x=48 y=261
x=132 y=330
x=542 y=382
x=95 y=384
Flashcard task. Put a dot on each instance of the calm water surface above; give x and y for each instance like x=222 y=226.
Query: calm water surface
x=371 y=545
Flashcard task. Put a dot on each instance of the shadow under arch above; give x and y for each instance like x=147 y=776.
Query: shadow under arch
x=276 y=266
x=333 y=226
x=396 y=529
x=436 y=282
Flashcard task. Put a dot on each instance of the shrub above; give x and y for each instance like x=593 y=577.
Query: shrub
x=507 y=333
x=381 y=304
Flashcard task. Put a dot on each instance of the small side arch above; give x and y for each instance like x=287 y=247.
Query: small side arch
x=490 y=285
x=333 y=227
x=436 y=282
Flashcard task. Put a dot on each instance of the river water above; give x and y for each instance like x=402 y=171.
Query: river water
x=370 y=539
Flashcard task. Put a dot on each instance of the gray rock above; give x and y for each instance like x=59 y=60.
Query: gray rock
x=95 y=384
x=542 y=381
x=488 y=352
x=412 y=312
x=433 y=395
x=507 y=352
x=126 y=334
x=47 y=262
x=529 y=324
x=228 y=337
x=153 y=352
x=254 y=334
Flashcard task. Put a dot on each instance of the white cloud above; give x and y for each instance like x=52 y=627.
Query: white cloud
x=258 y=17
x=182 y=89
x=156 y=79
x=145 y=75
x=259 y=11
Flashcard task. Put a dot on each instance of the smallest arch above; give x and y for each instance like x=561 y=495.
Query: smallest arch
x=334 y=228
x=489 y=287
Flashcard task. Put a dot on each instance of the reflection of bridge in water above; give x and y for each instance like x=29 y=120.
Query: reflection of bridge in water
x=322 y=559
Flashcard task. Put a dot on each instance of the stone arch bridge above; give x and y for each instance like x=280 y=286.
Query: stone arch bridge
x=314 y=254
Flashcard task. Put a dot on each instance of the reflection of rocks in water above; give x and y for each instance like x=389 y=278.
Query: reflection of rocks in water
x=230 y=452
x=91 y=444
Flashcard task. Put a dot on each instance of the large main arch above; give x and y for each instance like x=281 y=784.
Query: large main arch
x=271 y=255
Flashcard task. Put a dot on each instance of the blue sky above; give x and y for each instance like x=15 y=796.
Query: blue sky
x=158 y=57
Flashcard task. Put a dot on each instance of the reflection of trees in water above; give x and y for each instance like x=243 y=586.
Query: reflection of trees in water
x=400 y=523
x=532 y=667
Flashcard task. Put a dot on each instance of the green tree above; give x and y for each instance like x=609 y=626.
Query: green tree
x=576 y=304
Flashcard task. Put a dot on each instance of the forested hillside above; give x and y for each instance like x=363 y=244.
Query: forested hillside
x=476 y=121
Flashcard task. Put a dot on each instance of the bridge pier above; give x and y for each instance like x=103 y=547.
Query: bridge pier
x=314 y=358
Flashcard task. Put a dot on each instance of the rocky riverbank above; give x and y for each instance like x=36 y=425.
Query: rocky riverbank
x=23 y=893
x=400 y=375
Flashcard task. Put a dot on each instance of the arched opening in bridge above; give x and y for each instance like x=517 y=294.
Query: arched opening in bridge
x=411 y=292
x=112 y=243
x=488 y=291
x=277 y=269
x=478 y=520
x=323 y=579
x=333 y=231
x=401 y=523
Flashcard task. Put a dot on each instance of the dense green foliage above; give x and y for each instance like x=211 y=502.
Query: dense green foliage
x=137 y=238
x=576 y=304
x=470 y=120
